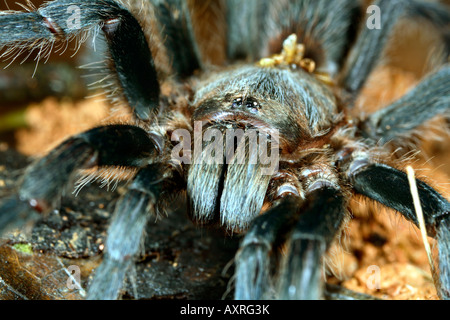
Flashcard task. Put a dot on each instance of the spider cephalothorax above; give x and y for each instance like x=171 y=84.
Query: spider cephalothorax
x=262 y=144
x=294 y=105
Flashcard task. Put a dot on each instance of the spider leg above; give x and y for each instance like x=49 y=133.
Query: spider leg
x=60 y=20
x=44 y=180
x=435 y=12
x=334 y=292
x=371 y=41
x=174 y=18
x=253 y=257
x=391 y=188
x=316 y=221
x=15 y=214
x=321 y=219
x=428 y=99
x=126 y=231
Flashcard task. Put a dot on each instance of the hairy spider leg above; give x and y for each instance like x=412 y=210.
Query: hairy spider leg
x=307 y=225
x=45 y=180
x=128 y=47
x=174 y=20
x=126 y=231
x=430 y=98
x=390 y=187
x=253 y=260
x=369 y=46
x=320 y=222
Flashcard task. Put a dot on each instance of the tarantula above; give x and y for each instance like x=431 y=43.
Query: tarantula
x=286 y=71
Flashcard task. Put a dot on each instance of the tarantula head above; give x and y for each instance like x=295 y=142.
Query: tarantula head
x=246 y=121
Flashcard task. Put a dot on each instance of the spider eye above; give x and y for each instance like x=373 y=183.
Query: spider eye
x=237 y=103
x=251 y=104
